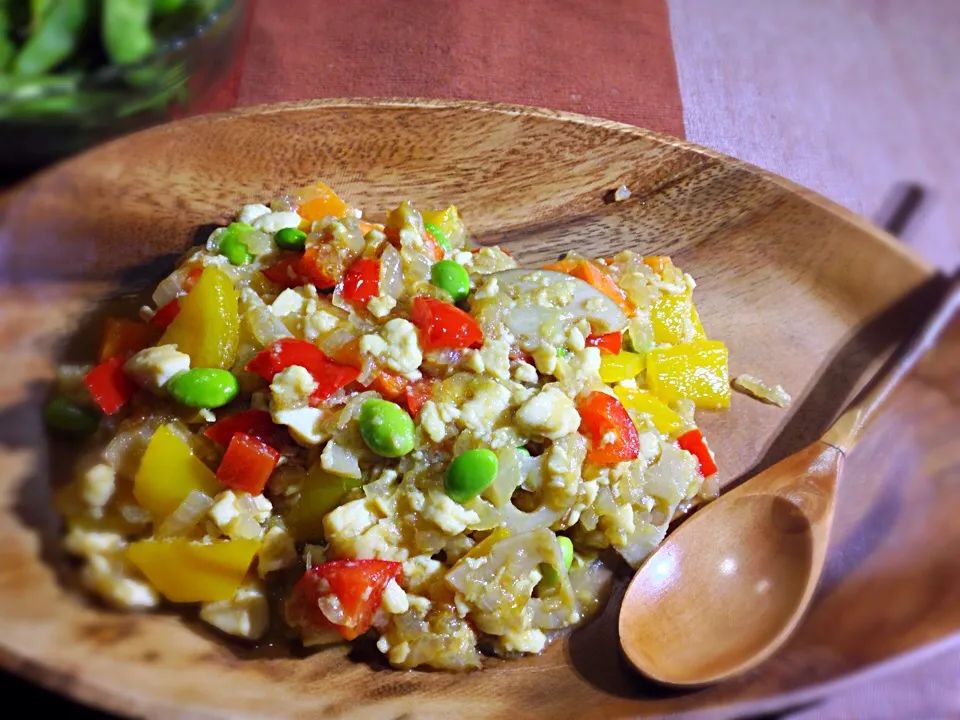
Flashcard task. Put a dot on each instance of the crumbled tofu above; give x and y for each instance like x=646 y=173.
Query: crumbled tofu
x=621 y=193
x=110 y=577
x=489 y=289
x=473 y=361
x=249 y=213
x=575 y=340
x=245 y=615
x=304 y=424
x=431 y=422
x=759 y=390
x=419 y=604
x=340 y=460
x=319 y=323
x=277 y=551
x=404 y=354
x=227 y=514
x=496 y=358
x=545 y=358
x=291 y=388
x=153 y=367
x=97 y=487
x=420 y=571
x=549 y=413
x=449 y=516
x=525 y=373
x=527 y=641
x=274 y=221
x=381 y=305
x=83 y=542
x=350 y=519
x=482 y=410
x=649 y=446
x=289 y=302
x=394 y=599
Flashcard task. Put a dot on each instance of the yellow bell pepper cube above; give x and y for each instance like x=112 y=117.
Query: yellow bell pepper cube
x=448 y=220
x=696 y=370
x=168 y=472
x=672 y=315
x=189 y=571
x=321 y=493
x=622 y=366
x=207 y=328
x=661 y=415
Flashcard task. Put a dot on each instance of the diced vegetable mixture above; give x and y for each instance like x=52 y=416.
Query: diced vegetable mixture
x=361 y=427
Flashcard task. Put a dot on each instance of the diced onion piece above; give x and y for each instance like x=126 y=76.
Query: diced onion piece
x=391 y=273
x=190 y=512
x=759 y=390
x=171 y=287
x=265 y=326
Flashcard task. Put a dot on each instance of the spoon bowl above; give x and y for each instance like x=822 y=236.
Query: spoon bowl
x=728 y=587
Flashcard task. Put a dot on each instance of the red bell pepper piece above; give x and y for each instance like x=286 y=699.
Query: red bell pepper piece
x=443 y=325
x=693 y=442
x=315 y=266
x=418 y=393
x=283 y=353
x=124 y=337
x=166 y=314
x=109 y=385
x=247 y=464
x=601 y=414
x=361 y=281
x=358 y=586
x=256 y=423
x=285 y=272
x=607 y=342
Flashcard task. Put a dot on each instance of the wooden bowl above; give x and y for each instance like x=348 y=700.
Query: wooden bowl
x=804 y=293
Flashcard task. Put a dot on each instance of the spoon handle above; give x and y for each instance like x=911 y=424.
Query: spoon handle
x=845 y=432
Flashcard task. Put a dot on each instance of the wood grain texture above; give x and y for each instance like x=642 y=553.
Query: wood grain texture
x=805 y=294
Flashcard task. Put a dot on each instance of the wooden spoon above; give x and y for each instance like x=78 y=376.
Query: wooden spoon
x=728 y=588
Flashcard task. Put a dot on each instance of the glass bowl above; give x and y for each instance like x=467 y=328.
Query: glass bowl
x=53 y=117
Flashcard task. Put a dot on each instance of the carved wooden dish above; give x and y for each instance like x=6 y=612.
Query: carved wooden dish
x=804 y=293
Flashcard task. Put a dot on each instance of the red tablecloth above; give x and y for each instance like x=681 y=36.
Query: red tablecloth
x=613 y=59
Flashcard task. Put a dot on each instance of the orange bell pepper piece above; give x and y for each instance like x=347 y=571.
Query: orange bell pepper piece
x=125 y=337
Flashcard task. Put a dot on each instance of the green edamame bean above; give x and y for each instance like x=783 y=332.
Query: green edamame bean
x=68 y=418
x=385 y=428
x=125 y=27
x=53 y=39
x=203 y=387
x=551 y=578
x=523 y=451
x=290 y=239
x=469 y=474
x=452 y=277
x=439 y=234
x=240 y=227
x=233 y=249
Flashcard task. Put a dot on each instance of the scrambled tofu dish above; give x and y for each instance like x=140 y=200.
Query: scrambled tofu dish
x=337 y=427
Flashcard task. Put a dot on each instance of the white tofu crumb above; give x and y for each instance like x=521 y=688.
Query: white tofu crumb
x=274 y=221
x=496 y=358
x=482 y=410
x=473 y=361
x=319 y=323
x=381 y=305
x=419 y=604
x=304 y=424
x=575 y=340
x=339 y=460
x=431 y=422
x=621 y=193
x=108 y=577
x=545 y=358
x=528 y=641
x=399 y=653
x=97 y=487
x=289 y=302
x=394 y=599
x=404 y=354
x=249 y=213
x=449 y=516
x=277 y=551
x=153 y=367
x=245 y=615
x=549 y=413
x=349 y=520
x=291 y=388
x=525 y=373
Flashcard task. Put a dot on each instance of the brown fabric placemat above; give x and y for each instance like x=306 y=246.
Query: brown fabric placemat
x=612 y=59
